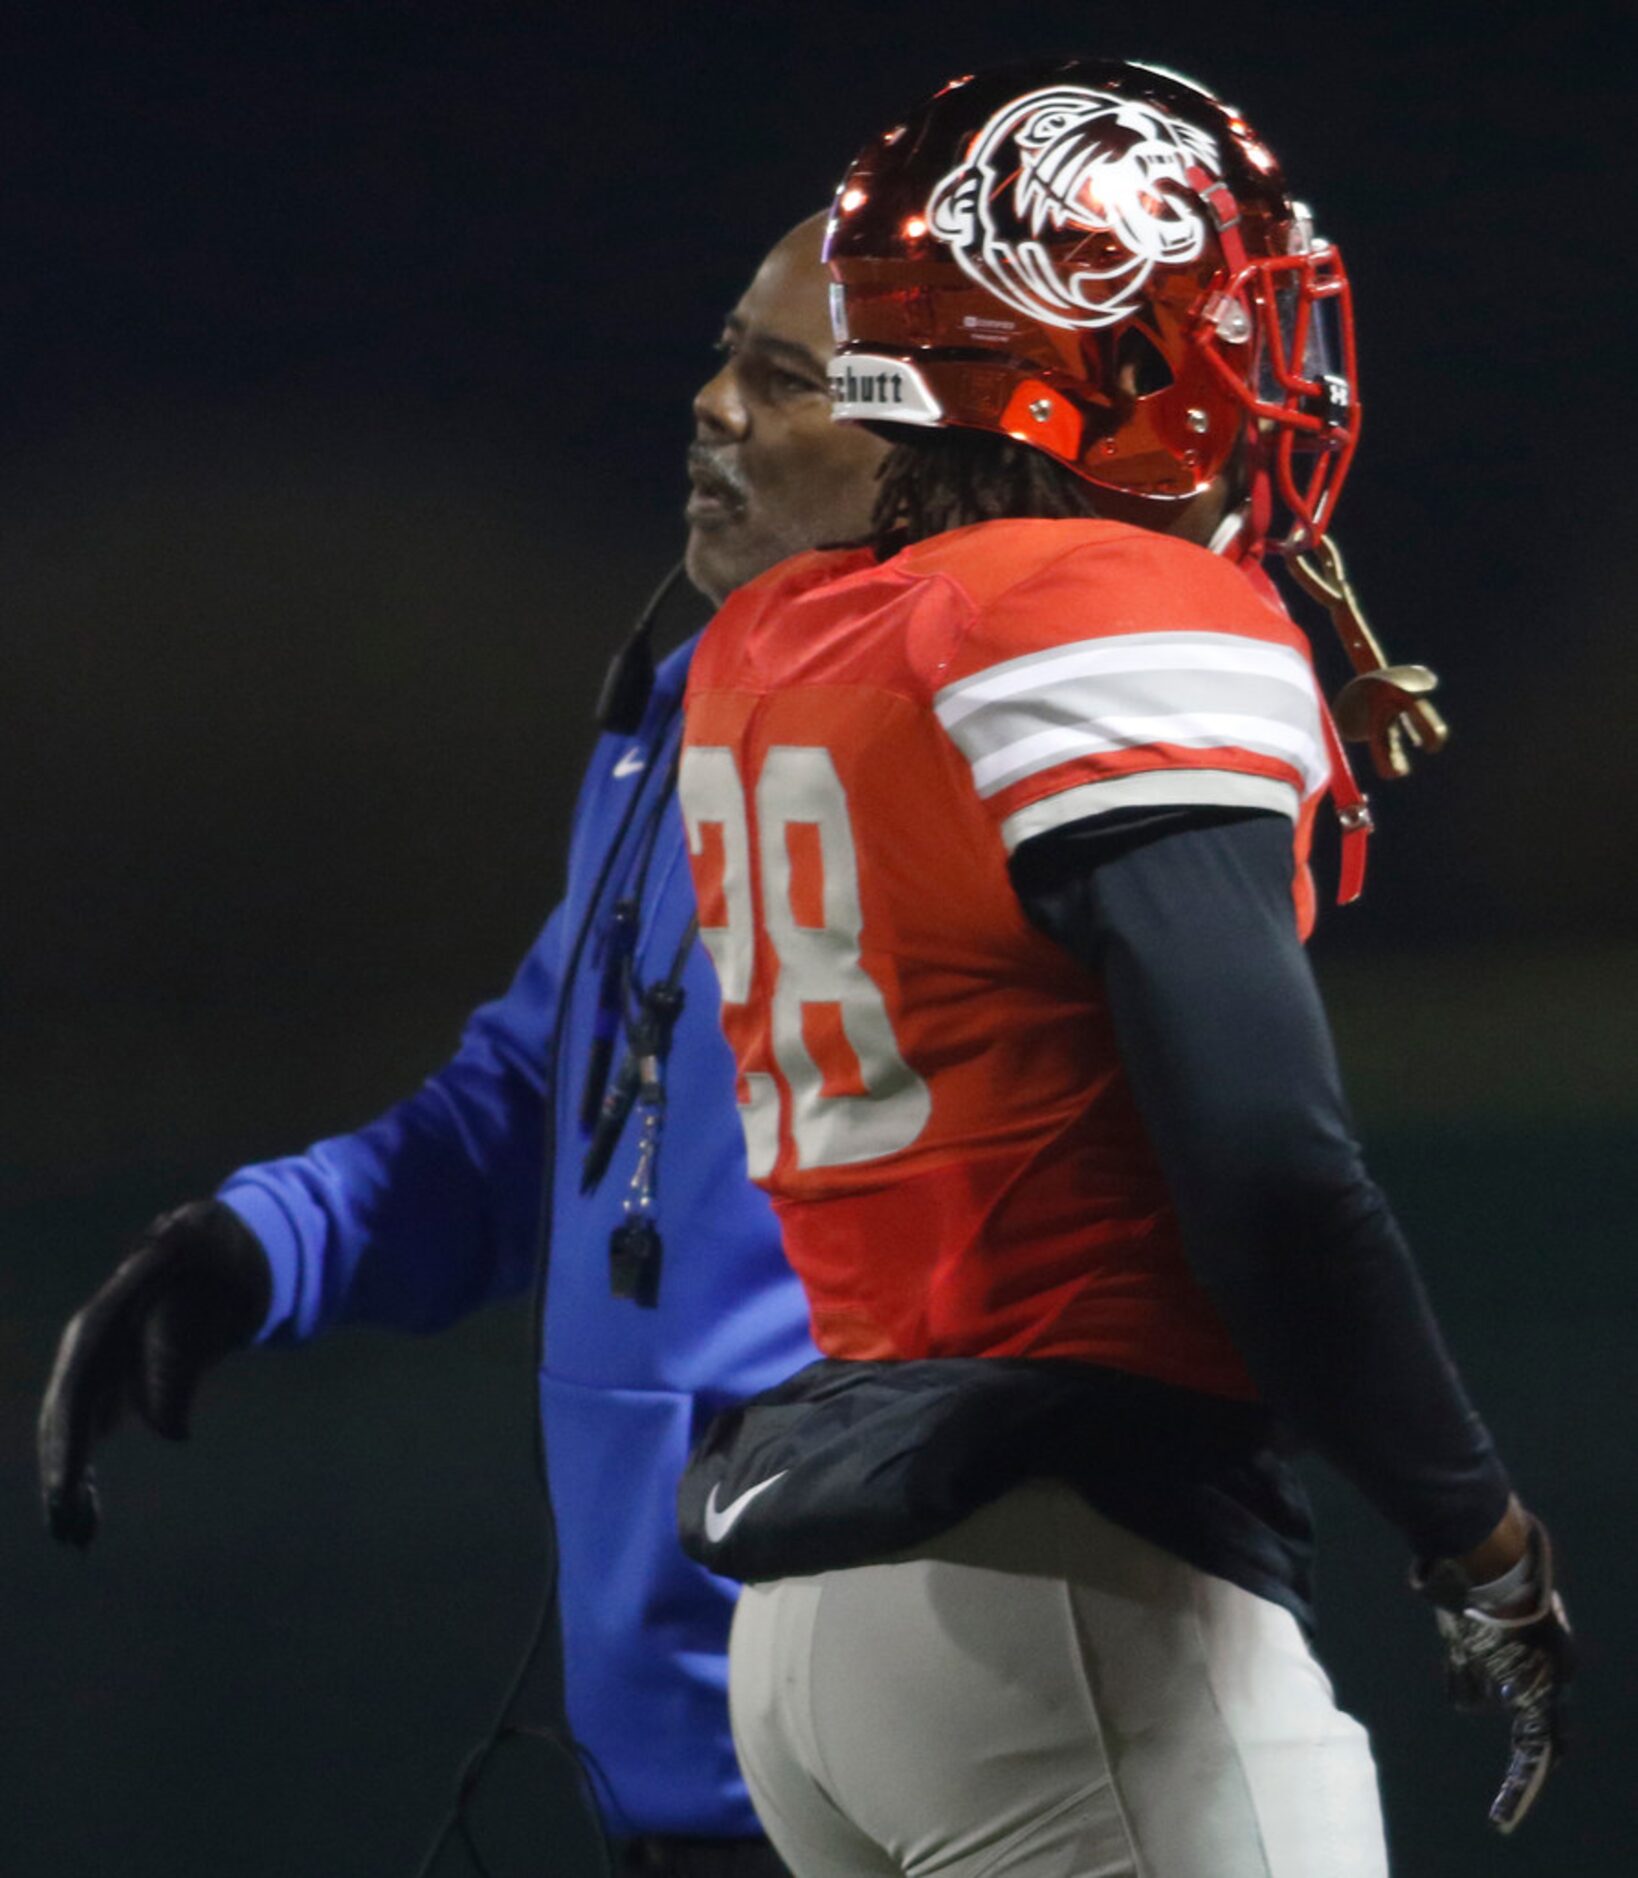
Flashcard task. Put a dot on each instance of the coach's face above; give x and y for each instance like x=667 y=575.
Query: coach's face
x=771 y=473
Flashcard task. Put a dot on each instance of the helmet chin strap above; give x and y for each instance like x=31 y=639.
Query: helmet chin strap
x=1262 y=508
x=1229 y=532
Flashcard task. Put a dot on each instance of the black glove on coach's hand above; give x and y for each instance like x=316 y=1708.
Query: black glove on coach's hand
x=1519 y=1658
x=197 y=1286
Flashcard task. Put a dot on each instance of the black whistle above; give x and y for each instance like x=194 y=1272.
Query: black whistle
x=634 y=1262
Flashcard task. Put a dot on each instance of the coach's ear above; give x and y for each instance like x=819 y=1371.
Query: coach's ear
x=197 y=1285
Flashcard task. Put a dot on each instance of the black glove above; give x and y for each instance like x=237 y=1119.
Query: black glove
x=197 y=1286
x=1518 y=1660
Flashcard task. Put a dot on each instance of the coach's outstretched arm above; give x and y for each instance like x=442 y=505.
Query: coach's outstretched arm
x=416 y=1219
x=431 y=1210
x=1189 y=921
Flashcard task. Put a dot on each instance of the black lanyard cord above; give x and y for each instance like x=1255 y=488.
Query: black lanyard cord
x=619 y=988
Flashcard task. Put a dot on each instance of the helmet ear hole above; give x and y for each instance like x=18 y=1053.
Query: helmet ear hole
x=1140 y=367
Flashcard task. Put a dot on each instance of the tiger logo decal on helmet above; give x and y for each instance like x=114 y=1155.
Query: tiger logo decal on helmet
x=1116 y=169
x=1099 y=259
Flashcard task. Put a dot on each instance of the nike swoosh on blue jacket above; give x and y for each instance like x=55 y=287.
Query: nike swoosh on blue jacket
x=430 y=1211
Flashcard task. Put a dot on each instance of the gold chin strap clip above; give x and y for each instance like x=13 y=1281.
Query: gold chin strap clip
x=1385 y=704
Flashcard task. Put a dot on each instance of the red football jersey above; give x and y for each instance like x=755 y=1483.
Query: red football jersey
x=930 y=1087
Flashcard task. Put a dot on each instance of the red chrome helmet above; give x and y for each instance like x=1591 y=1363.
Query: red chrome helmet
x=1101 y=260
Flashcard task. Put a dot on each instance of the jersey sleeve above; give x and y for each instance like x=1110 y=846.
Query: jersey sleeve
x=1134 y=673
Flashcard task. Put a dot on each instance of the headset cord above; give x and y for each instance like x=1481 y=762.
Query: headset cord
x=614 y=714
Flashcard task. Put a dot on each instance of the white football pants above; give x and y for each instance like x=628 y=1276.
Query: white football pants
x=1039 y=1694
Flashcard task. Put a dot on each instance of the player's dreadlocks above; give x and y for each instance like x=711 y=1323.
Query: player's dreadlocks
x=940 y=479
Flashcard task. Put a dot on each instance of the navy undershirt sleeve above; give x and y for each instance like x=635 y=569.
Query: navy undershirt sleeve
x=1188 y=920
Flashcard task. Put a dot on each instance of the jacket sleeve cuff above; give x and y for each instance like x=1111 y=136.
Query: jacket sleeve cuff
x=265 y=1215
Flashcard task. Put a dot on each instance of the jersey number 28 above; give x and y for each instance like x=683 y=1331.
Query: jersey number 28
x=849 y=1104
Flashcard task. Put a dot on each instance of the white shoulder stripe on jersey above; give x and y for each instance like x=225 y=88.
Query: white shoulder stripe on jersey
x=1216 y=730
x=1109 y=658
x=1151 y=788
x=1104 y=704
x=1200 y=690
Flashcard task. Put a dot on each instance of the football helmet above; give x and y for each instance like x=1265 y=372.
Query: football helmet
x=1101 y=260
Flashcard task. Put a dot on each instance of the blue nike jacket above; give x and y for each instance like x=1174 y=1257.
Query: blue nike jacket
x=431 y=1211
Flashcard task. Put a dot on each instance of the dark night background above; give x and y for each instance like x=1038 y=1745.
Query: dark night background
x=345 y=354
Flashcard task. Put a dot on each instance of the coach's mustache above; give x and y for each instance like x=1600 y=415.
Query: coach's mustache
x=715 y=474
